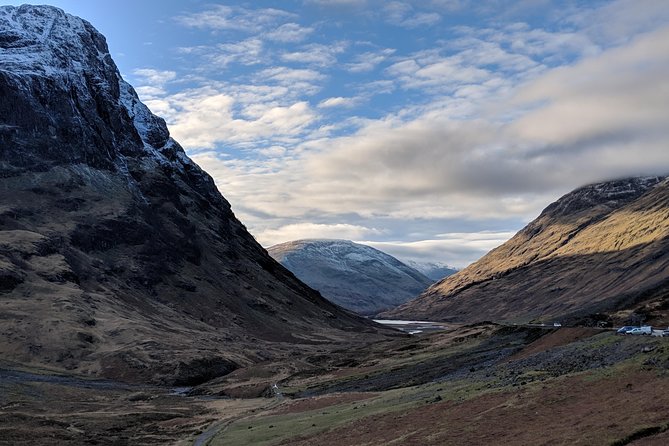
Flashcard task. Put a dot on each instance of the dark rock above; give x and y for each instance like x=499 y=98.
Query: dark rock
x=201 y=370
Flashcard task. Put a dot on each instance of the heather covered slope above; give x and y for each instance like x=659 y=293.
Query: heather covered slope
x=599 y=248
x=355 y=276
x=118 y=255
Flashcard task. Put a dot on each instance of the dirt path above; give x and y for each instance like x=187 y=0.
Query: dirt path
x=219 y=427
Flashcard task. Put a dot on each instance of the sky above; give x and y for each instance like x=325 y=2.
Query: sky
x=433 y=130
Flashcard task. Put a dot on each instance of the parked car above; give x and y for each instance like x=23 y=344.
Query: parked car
x=625 y=329
x=647 y=330
x=665 y=332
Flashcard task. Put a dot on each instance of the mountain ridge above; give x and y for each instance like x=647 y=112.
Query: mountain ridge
x=591 y=251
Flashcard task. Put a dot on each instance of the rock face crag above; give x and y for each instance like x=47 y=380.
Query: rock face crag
x=599 y=249
x=355 y=276
x=118 y=255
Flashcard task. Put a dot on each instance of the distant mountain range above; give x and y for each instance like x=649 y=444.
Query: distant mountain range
x=355 y=276
x=601 y=251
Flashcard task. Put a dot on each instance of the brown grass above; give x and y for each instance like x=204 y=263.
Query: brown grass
x=573 y=411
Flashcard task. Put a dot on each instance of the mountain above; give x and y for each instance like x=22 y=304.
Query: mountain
x=432 y=270
x=118 y=256
x=357 y=277
x=599 y=249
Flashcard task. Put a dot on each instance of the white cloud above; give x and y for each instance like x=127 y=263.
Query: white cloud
x=246 y=52
x=148 y=92
x=289 y=33
x=337 y=3
x=297 y=231
x=234 y=18
x=315 y=54
x=604 y=116
x=622 y=94
x=156 y=78
x=402 y=14
x=337 y=102
x=273 y=151
x=151 y=82
x=470 y=61
x=203 y=117
x=367 y=61
x=457 y=249
x=302 y=81
x=617 y=22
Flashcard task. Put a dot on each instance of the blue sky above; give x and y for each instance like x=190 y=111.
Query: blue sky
x=430 y=129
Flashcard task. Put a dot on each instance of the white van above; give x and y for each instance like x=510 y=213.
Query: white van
x=645 y=330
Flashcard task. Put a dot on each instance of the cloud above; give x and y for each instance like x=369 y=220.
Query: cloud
x=337 y=102
x=457 y=249
x=289 y=33
x=303 y=81
x=402 y=14
x=443 y=74
x=203 y=117
x=606 y=116
x=316 y=54
x=621 y=94
x=234 y=18
x=155 y=81
x=617 y=22
x=549 y=47
x=470 y=61
x=297 y=231
x=246 y=52
x=157 y=78
x=367 y=61
x=337 y=3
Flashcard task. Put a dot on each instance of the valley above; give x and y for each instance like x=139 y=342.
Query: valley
x=467 y=384
x=137 y=309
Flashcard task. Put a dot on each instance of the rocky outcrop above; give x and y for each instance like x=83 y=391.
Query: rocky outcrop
x=118 y=255
x=355 y=276
x=599 y=249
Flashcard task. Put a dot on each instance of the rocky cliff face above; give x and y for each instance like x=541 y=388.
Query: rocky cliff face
x=357 y=277
x=601 y=248
x=118 y=255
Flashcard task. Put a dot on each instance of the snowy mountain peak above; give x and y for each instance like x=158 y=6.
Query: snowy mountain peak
x=44 y=40
x=611 y=194
x=43 y=48
x=355 y=276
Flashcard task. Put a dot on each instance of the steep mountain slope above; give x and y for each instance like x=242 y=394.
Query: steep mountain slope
x=432 y=270
x=597 y=249
x=118 y=255
x=357 y=277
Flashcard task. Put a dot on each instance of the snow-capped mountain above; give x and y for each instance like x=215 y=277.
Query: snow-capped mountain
x=355 y=276
x=118 y=255
x=432 y=270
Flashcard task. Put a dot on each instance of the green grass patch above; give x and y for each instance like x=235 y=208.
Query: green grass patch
x=270 y=430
